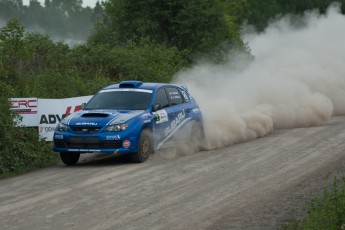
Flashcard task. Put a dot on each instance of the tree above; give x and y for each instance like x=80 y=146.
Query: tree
x=262 y=11
x=97 y=12
x=11 y=49
x=196 y=25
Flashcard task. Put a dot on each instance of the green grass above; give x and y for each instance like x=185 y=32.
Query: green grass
x=327 y=212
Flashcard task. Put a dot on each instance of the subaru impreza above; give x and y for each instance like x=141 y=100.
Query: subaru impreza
x=133 y=118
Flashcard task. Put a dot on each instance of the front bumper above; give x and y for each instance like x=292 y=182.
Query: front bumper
x=101 y=142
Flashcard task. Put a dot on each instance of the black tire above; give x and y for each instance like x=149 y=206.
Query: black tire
x=197 y=138
x=145 y=147
x=69 y=158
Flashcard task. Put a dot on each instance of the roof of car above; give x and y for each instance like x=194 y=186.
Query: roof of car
x=137 y=85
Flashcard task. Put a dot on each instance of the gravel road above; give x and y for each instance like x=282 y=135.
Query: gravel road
x=252 y=185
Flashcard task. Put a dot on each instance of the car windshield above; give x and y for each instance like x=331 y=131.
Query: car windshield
x=120 y=99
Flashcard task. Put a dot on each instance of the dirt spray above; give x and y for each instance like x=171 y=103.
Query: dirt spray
x=296 y=79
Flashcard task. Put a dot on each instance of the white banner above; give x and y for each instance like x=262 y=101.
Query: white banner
x=27 y=109
x=52 y=111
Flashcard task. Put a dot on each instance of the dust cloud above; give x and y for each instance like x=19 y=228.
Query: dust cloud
x=296 y=79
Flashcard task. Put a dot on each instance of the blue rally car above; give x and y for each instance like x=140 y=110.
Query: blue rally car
x=131 y=118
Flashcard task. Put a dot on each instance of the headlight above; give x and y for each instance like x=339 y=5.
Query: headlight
x=116 y=128
x=61 y=127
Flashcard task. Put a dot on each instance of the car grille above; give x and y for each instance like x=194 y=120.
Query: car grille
x=85 y=130
x=86 y=140
x=87 y=143
x=60 y=143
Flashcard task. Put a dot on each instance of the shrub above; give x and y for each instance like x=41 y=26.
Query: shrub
x=20 y=148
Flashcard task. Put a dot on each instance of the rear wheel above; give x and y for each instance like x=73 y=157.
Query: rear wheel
x=197 y=137
x=145 y=147
x=69 y=158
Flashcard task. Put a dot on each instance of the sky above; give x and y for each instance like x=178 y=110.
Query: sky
x=90 y=3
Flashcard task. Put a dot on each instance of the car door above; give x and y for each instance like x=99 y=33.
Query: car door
x=176 y=131
x=161 y=118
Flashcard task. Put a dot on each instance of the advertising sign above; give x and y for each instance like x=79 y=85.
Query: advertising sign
x=52 y=111
x=27 y=109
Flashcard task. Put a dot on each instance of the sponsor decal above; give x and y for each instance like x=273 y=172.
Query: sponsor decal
x=113 y=138
x=24 y=105
x=58 y=136
x=52 y=111
x=161 y=116
x=56 y=118
x=51 y=118
x=173 y=132
x=174 y=95
x=86 y=123
x=46 y=129
x=69 y=108
x=84 y=150
x=131 y=90
x=146 y=121
x=27 y=109
x=146 y=115
x=179 y=118
x=126 y=144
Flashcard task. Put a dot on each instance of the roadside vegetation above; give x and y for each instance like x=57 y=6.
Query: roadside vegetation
x=327 y=212
x=20 y=148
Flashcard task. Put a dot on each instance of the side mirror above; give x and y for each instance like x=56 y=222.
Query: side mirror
x=83 y=105
x=156 y=107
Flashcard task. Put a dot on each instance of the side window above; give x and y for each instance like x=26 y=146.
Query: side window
x=174 y=96
x=161 y=98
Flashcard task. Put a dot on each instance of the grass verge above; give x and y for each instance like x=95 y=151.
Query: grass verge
x=327 y=212
x=22 y=170
x=22 y=151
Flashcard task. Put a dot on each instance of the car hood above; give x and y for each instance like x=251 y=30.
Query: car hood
x=101 y=117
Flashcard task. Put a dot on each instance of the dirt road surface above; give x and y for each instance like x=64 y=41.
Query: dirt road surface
x=252 y=185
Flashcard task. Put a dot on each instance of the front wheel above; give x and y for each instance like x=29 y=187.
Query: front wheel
x=69 y=158
x=145 y=147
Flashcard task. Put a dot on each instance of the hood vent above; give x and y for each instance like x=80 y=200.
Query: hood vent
x=95 y=115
